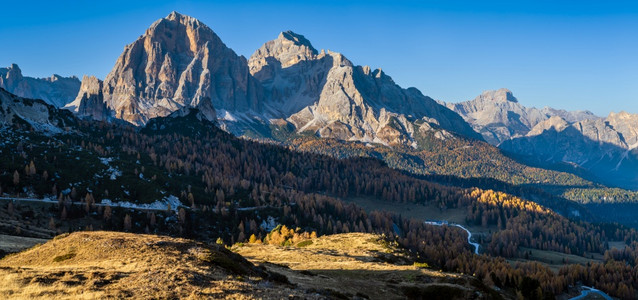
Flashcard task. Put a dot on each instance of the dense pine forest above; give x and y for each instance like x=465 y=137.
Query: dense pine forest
x=460 y=161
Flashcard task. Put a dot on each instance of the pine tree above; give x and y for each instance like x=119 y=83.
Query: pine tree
x=182 y=215
x=51 y=223
x=10 y=208
x=153 y=220
x=252 y=239
x=107 y=213
x=32 y=170
x=128 y=223
x=16 y=178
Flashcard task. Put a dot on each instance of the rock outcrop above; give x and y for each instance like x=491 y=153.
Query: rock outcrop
x=89 y=102
x=178 y=62
x=326 y=94
x=33 y=113
x=55 y=90
x=498 y=116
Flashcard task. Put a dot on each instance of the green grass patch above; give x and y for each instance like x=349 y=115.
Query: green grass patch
x=64 y=257
x=305 y=243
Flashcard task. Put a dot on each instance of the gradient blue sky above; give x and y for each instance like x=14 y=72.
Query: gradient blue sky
x=570 y=54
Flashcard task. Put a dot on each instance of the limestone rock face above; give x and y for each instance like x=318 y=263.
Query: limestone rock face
x=291 y=72
x=39 y=115
x=89 y=102
x=178 y=62
x=607 y=147
x=326 y=94
x=55 y=90
x=498 y=116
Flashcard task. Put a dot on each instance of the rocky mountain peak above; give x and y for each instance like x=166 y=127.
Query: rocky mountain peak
x=287 y=49
x=621 y=115
x=179 y=33
x=297 y=39
x=500 y=95
x=328 y=95
x=175 y=15
x=366 y=70
x=10 y=77
x=604 y=146
x=181 y=19
x=14 y=72
x=178 y=62
x=90 y=101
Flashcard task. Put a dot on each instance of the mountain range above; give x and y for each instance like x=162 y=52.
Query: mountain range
x=604 y=146
x=295 y=170
x=55 y=90
x=498 y=116
x=324 y=93
x=179 y=62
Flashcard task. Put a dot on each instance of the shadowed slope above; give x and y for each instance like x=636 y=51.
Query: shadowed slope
x=363 y=266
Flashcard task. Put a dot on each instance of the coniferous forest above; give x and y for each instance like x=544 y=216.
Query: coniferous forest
x=229 y=187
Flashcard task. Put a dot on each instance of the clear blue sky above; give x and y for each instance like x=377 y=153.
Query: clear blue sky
x=571 y=54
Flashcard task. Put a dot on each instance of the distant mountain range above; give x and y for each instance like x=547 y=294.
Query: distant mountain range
x=180 y=62
x=55 y=90
x=605 y=147
x=498 y=116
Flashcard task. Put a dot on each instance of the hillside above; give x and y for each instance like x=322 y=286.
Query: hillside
x=372 y=267
x=470 y=163
x=124 y=265
x=222 y=187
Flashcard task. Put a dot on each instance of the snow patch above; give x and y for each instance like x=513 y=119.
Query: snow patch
x=112 y=172
x=163 y=204
x=269 y=224
x=226 y=115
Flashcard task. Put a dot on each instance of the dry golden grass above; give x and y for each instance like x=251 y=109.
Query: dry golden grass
x=92 y=265
x=112 y=265
x=360 y=264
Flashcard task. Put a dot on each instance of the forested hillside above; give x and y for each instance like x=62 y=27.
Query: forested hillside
x=233 y=189
x=465 y=162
